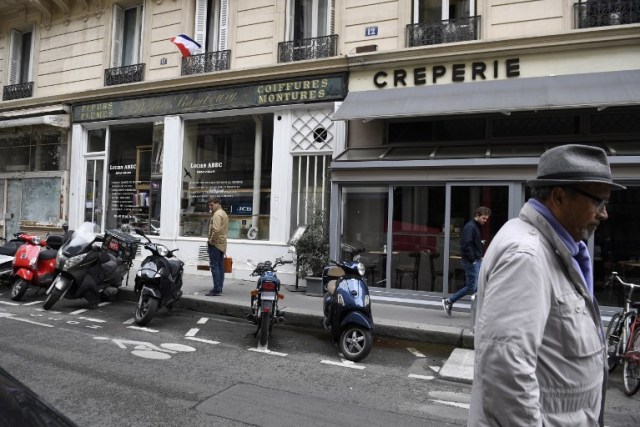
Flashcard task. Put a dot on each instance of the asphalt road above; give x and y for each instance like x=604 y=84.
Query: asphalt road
x=192 y=369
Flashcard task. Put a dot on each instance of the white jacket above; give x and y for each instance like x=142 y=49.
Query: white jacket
x=539 y=349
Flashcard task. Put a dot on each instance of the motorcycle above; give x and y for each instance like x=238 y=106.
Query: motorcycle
x=86 y=270
x=347 y=307
x=158 y=281
x=34 y=264
x=264 y=299
x=7 y=254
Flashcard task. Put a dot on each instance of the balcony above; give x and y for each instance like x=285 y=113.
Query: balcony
x=447 y=31
x=21 y=90
x=206 y=62
x=124 y=75
x=603 y=13
x=303 y=49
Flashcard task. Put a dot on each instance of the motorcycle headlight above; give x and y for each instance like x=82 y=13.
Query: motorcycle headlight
x=367 y=300
x=361 y=269
x=73 y=261
x=162 y=250
x=340 y=299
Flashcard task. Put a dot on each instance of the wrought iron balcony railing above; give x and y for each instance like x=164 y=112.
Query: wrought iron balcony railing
x=447 y=31
x=122 y=75
x=313 y=48
x=21 y=90
x=206 y=62
x=603 y=13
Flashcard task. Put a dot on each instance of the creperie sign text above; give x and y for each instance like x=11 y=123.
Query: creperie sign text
x=420 y=76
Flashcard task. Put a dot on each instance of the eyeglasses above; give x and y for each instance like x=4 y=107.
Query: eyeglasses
x=599 y=203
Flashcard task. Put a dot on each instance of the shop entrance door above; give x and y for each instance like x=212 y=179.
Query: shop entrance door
x=93 y=197
x=463 y=201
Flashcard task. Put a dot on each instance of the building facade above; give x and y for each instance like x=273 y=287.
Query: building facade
x=402 y=116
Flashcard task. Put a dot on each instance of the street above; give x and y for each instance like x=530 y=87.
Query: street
x=196 y=369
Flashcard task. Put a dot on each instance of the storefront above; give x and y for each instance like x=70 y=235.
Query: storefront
x=430 y=142
x=154 y=162
x=34 y=146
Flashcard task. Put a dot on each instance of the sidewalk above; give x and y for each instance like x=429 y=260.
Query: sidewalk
x=397 y=313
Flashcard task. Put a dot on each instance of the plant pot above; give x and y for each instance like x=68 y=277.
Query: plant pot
x=314 y=286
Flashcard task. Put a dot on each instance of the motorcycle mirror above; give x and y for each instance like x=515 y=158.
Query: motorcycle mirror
x=139 y=231
x=65 y=227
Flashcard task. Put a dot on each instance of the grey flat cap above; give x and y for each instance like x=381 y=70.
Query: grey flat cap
x=574 y=164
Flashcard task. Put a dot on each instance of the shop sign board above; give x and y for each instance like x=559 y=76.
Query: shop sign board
x=294 y=91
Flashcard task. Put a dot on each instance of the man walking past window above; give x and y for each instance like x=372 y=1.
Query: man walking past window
x=217 y=244
x=471 y=249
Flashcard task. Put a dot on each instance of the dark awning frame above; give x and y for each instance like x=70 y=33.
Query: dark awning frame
x=598 y=90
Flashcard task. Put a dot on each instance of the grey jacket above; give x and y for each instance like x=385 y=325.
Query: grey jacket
x=539 y=346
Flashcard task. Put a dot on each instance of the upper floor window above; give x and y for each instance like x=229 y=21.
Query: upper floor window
x=127 y=35
x=441 y=10
x=20 y=57
x=310 y=19
x=212 y=19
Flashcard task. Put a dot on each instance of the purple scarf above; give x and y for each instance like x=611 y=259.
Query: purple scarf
x=581 y=259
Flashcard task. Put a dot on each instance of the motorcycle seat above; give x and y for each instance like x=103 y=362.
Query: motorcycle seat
x=331 y=286
x=9 y=251
x=175 y=265
x=48 y=254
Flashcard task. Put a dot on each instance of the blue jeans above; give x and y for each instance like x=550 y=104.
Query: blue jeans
x=471 y=270
x=216 y=259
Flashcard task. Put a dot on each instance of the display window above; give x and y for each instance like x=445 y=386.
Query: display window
x=219 y=159
x=27 y=150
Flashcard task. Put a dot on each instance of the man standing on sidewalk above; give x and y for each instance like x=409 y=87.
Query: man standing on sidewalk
x=540 y=357
x=217 y=244
x=471 y=249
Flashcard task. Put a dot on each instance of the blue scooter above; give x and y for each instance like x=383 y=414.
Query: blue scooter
x=347 y=307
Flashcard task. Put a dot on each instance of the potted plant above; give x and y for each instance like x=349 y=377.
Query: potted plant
x=312 y=249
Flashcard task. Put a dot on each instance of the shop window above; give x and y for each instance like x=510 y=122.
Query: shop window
x=134 y=178
x=96 y=140
x=33 y=150
x=212 y=24
x=127 y=35
x=219 y=160
x=20 y=57
x=311 y=187
x=33 y=204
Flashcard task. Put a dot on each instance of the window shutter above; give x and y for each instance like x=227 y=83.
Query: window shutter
x=31 y=53
x=291 y=13
x=200 y=31
x=332 y=17
x=224 y=24
x=116 y=43
x=14 y=57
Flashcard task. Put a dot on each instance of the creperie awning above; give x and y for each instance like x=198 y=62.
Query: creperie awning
x=598 y=90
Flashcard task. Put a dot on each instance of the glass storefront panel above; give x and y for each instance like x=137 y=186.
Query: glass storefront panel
x=219 y=160
x=33 y=149
x=464 y=201
x=364 y=225
x=93 y=192
x=417 y=240
x=33 y=202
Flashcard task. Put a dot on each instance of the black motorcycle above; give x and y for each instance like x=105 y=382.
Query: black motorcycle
x=264 y=299
x=7 y=253
x=158 y=280
x=90 y=271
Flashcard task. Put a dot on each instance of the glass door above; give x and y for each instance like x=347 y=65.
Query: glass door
x=464 y=200
x=93 y=198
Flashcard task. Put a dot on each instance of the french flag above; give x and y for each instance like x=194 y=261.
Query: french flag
x=186 y=45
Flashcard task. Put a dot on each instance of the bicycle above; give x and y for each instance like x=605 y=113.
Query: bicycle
x=623 y=339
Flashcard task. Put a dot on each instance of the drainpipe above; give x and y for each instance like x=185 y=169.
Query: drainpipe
x=257 y=175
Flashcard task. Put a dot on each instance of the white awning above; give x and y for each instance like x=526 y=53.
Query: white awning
x=57 y=120
x=598 y=90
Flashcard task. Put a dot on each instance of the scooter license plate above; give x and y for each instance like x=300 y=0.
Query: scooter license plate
x=269 y=296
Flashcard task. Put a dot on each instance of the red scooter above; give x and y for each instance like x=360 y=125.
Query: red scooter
x=34 y=264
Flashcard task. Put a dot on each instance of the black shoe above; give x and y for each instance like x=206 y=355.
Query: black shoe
x=447 y=306
x=213 y=294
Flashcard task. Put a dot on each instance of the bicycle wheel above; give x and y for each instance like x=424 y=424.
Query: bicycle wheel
x=614 y=349
x=631 y=366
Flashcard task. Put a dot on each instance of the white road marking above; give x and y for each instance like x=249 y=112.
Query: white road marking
x=102 y=304
x=435 y=369
x=267 y=351
x=138 y=328
x=48 y=311
x=457 y=404
x=192 y=332
x=343 y=364
x=202 y=340
x=11 y=316
x=129 y=321
x=33 y=303
x=415 y=352
x=91 y=319
x=203 y=320
x=8 y=303
x=421 y=377
x=82 y=310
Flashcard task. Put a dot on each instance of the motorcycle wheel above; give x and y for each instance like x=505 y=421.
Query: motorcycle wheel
x=146 y=308
x=264 y=329
x=52 y=298
x=19 y=289
x=355 y=342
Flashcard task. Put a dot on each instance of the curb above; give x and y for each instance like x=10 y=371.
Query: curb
x=301 y=318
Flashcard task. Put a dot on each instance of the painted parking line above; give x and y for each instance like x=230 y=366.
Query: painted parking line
x=456 y=404
x=344 y=364
x=202 y=320
x=91 y=319
x=82 y=310
x=8 y=303
x=128 y=321
x=192 y=332
x=421 y=377
x=415 y=352
x=435 y=369
x=267 y=351
x=32 y=303
x=139 y=328
x=202 y=340
x=11 y=316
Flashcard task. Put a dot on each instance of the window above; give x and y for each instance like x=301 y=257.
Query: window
x=32 y=151
x=310 y=18
x=211 y=24
x=20 y=55
x=442 y=10
x=127 y=35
